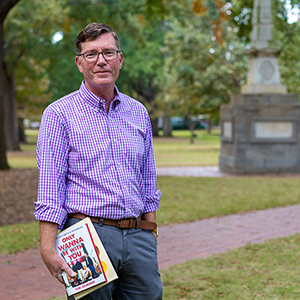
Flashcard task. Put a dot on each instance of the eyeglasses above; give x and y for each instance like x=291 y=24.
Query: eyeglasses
x=92 y=56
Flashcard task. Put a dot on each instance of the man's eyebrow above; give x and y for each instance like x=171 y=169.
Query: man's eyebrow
x=102 y=49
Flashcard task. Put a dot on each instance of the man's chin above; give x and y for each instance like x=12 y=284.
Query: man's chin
x=103 y=81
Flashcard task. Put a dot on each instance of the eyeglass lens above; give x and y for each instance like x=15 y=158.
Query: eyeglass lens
x=92 y=56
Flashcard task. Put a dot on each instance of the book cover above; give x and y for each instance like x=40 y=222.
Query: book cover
x=83 y=251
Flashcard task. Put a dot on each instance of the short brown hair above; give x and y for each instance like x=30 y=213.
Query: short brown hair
x=91 y=32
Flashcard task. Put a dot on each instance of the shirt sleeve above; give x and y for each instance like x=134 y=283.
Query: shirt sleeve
x=52 y=156
x=152 y=195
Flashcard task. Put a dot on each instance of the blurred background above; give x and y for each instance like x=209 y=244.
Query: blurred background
x=183 y=58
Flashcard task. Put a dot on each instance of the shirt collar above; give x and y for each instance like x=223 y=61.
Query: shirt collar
x=94 y=100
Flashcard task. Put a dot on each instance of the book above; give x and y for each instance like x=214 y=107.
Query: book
x=82 y=249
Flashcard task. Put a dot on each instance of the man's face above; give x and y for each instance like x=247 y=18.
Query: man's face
x=102 y=74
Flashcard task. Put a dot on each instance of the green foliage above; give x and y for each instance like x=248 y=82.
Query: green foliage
x=28 y=48
x=47 y=71
x=200 y=72
x=62 y=70
x=175 y=60
x=241 y=17
x=139 y=27
x=142 y=73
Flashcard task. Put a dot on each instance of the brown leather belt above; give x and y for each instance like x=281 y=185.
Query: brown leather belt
x=122 y=223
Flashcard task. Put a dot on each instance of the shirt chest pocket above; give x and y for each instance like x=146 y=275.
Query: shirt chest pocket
x=133 y=143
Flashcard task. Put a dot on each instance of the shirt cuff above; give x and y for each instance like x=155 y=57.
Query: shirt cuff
x=44 y=212
x=152 y=202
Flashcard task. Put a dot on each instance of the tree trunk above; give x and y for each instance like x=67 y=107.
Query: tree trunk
x=210 y=125
x=21 y=131
x=154 y=124
x=11 y=131
x=146 y=94
x=192 y=130
x=5 y=7
x=167 y=126
x=3 y=159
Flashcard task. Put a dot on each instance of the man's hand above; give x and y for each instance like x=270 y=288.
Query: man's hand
x=54 y=262
x=56 y=265
x=150 y=217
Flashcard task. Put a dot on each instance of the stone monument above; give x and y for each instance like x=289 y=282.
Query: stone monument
x=260 y=126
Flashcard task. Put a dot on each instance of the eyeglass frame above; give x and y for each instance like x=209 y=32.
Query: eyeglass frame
x=98 y=53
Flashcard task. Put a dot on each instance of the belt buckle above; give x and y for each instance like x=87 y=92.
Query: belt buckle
x=118 y=223
x=137 y=223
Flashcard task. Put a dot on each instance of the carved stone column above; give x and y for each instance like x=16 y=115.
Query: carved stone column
x=263 y=76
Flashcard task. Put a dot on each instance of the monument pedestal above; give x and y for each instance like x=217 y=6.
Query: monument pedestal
x=260 y=134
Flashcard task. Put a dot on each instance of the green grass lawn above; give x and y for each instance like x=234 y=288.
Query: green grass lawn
x=26 y=158
x=189 y=198
x=262 y=271
x=18 y=237
x=178 y=151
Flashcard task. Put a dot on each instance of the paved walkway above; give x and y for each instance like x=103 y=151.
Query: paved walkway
x=24 y=276
x=209 y=171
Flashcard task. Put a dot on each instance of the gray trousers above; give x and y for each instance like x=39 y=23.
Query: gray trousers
x=133 y=253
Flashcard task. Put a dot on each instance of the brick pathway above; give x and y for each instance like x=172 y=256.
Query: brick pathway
x=181 y=242
x=24 y=276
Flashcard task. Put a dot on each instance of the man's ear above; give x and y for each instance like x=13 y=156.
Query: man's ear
x=121 y=60
x=78 y=63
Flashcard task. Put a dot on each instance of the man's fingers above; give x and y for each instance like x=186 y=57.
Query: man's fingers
x=60 y=279
x=69 y=271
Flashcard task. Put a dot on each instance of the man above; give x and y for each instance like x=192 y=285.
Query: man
x=90 y=265
x=95 y=158
x=78 y=269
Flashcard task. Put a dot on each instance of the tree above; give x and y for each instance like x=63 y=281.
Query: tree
x=143 y=68
x=139 y=25
x=5 y=7
x=206 y=54
x=27 y=43
x=204 y=65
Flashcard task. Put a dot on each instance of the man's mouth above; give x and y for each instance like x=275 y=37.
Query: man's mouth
x=102 y=72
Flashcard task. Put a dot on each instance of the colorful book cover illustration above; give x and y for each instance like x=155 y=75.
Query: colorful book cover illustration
x=83 y=251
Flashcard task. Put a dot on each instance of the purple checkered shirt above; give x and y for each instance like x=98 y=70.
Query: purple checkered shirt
x=97 y=163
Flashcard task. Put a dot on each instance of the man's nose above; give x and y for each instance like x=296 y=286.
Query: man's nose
x=101 y=59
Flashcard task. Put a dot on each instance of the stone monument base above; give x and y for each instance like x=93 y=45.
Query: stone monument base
x=260 y=134
x=264 y=89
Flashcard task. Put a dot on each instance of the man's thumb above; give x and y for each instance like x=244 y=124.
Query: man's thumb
x=70 y=272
